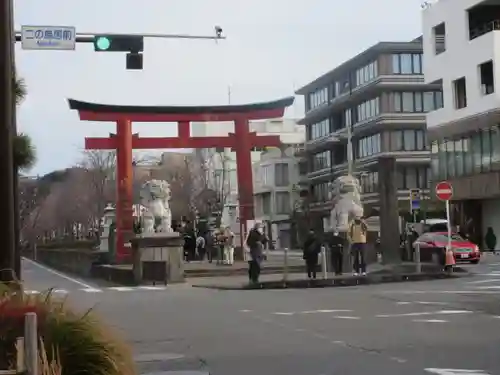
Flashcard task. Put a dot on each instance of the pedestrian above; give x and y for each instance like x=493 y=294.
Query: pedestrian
x=337 y=253
x=357 y=233
x=256 y=241
x=228 y=246
x=490 y=240
x=312 y=248
x=201 y=247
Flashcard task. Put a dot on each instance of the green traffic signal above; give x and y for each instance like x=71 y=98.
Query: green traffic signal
x=103 y=43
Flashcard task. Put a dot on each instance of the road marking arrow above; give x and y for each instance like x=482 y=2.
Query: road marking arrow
x=448 y=371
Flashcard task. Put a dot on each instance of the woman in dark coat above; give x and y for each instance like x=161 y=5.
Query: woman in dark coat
x=312 y=248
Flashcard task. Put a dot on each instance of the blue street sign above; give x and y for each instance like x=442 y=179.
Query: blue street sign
x=414 y=199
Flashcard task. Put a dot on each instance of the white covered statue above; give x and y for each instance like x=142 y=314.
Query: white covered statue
x=346 y=202
x=155 y=196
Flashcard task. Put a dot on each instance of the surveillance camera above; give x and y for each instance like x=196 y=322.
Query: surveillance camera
x=218 y=31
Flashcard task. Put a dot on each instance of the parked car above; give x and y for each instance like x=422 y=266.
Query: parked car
x=435 y=242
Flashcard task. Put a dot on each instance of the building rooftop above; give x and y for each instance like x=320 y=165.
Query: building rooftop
x=361 y=58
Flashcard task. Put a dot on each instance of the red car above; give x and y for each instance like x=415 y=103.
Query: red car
x=463 y=249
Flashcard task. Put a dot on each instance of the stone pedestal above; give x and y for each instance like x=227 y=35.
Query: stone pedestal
x=158 y=258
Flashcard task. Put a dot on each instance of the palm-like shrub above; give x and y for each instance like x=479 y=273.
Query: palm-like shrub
x=79 y=343
x=24 y=150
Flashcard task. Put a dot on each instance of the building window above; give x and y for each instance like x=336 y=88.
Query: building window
x=485 y=150
x=486 y=77
x=417 y=102
x=266 y=175
x=435 y=161
x=320 y=129
x=407 y=63
x=321 y=192
x=450 y=158
x=366 y=74
x=266 y=203
x=318 y=98
x=495 y=148
x=281 y=175
x=303 y=169
x=408 y=140
x=321 y=160
x=439 y=36
x=369 y=182
x=460 y=92
x=367 y=110
x=282 y=203
x=460 y=157
x=368 y=146
x=413 y=178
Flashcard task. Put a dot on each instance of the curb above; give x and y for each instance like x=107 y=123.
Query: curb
x=338 y=282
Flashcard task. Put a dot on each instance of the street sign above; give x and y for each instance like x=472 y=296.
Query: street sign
x=48 y=37
x=414 y=199
x=444 y=191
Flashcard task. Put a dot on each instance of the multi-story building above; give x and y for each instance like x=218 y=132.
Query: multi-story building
x=276 y=191
x=461 y=39
x=381 y=95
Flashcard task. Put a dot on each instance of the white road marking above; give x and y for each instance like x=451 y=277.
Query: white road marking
x=429 y=321
x=488 y=287
x=403 y=303
x=31 y=292
x=483 y=281
x=59 y=274
x=92 y=290
x=60 y=291
x=347 y=317
x=310 y=312
x=157 y=357
x=246 y=311
x=409 y=292
x=153 y=287
x=122 y=288
x=422 y=303
x=423 y=313
x=449 y=371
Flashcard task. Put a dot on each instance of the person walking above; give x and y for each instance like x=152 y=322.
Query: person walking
x=311 y=250
x=337 y=253
x=490 y=240
x=357 y=233
x=256 y=241
x=228 y=246
x=201 y=247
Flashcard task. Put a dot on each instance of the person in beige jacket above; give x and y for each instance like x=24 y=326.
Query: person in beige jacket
x=358 y=231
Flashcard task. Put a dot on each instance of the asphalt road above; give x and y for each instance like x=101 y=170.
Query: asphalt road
x=408 y=328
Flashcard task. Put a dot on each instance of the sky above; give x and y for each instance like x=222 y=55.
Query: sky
x=273 y=47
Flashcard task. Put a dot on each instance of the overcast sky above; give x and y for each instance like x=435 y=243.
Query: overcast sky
x=273 y=47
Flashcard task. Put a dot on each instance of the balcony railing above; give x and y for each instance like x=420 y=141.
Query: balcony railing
x=484 y=29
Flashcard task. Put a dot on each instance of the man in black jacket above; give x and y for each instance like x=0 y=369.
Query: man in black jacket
x=256 y=242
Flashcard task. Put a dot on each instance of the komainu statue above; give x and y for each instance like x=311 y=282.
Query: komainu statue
x=155 y=196
x=346 y=202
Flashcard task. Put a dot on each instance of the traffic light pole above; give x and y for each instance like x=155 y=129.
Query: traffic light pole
x=7 y=229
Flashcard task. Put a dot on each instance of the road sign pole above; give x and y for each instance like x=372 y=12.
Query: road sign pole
x=447 y=203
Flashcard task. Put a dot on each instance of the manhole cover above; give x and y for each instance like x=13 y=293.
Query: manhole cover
x=157 y=357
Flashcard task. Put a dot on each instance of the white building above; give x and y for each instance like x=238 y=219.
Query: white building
x=221 y=164
x=276 y=190
x=461 y=41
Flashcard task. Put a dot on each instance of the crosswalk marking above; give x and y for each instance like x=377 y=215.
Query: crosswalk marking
x=122 y=288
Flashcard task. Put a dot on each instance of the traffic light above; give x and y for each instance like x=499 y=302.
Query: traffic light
x=119 y=43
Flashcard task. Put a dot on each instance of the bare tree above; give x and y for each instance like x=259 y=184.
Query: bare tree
x=99 y=168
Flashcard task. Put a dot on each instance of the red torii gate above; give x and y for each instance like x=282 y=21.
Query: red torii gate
x=241 y=141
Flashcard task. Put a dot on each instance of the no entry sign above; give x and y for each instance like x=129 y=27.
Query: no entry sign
x=444 y=191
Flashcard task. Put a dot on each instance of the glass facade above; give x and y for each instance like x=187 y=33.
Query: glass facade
x=368 y=146
x=413 y=178
x=407 y=140
x=369 y=182
x=319 y=129
x=366 y=74
x=417 y=102
x=407 y=63
x=467 y=155
x=317 y=98
x=321 y=192
x=367 y=110
x=321 y=161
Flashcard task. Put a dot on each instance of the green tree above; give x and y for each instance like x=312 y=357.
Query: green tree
x=24 y=150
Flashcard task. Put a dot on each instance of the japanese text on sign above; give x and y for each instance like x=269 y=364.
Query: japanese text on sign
x=48 y=37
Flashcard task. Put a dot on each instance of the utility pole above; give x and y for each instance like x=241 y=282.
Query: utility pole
x=7 y=229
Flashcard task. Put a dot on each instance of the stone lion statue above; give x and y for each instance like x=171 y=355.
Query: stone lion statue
x=346 y=202
x=155 y=195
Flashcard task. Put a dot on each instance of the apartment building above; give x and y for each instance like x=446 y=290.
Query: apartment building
x=461 y=41
x=381 y=95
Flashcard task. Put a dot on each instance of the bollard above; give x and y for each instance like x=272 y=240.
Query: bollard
x=323 y=263
x=417 y=256
x=285 y=265
x=31 y=343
